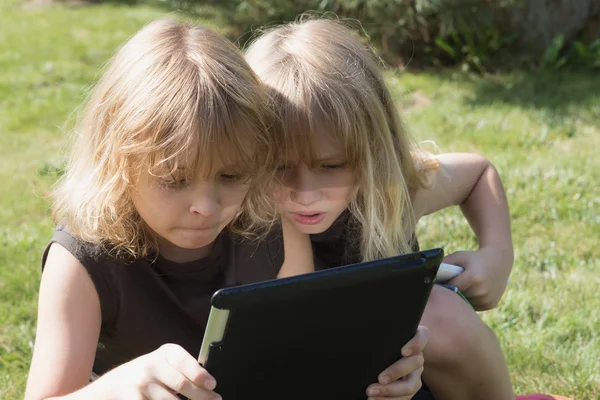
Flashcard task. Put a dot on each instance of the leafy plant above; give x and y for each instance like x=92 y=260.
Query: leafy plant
x=587 y=55
x=552 y=58
x=473 y=49
x=440 y=31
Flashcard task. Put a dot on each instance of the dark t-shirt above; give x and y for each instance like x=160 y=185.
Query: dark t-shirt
x=147 y=303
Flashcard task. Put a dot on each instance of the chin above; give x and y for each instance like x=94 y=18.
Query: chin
x=197 y=241
x=312 y=229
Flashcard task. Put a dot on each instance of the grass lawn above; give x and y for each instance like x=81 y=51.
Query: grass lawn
x=540 y=130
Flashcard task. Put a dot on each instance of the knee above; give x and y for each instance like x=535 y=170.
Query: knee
x=455 y=330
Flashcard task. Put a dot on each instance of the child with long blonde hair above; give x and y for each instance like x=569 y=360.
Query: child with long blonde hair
x=351 y=177
x=172 y=164
x=172 y=147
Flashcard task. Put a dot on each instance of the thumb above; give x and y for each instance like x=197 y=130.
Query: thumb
x=417 y=343
x=457 y=258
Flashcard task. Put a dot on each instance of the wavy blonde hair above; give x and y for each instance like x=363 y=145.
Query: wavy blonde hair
x=324 y=79
x=173 y=87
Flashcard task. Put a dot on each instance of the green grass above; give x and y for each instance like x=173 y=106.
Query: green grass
x=539 y=130
x=542 y=134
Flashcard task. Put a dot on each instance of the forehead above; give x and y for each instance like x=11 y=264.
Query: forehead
x=313 y=147
x=203 y=161
x=325 y=144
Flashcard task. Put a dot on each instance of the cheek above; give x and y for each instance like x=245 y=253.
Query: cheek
x=141 y=203
x=232 y=197
x=157 y=210
x=342 y=187
x=280 y=194
x=341 y=195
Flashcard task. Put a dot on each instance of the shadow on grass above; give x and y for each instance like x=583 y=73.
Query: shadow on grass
x=563 y=94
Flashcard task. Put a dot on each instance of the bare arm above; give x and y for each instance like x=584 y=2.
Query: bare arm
x=67 y=329
x=472 y=182
x=298 y=252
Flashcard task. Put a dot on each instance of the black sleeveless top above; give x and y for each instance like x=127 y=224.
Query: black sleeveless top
x=147 y=303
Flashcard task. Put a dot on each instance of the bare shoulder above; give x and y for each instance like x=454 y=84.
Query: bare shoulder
x=69 y=321
x=65 y=276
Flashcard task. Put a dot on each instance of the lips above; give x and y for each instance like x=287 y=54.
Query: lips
x=201 y=228
x=308 y=217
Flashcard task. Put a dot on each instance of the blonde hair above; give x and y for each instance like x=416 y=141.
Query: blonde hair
x=324 y=79
x=171 y=90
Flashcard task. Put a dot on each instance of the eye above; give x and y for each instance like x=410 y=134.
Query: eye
x=333 y=166
x=283 y=168
x=174 y=184
x=231 y=177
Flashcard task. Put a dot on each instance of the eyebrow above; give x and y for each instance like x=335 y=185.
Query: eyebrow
x=329 y=157
x=229 y=166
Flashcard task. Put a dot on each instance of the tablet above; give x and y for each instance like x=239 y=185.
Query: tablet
x=447 y=272
x=322 y=335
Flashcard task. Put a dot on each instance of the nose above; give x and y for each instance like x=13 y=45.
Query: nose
x=305 y=189
x=205 y=201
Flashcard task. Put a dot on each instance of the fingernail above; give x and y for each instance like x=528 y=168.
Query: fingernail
x=373 y=391
x=210 y=384
x=406 y=352
x=384 y=379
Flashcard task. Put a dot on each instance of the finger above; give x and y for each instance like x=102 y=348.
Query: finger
x=480 y=292
x=417 y=343
x=459 y=258
x=480 y=304
x=403 y=389
x=178 y=383
x=156 y=391
x=464 y=282
x=475 y=288
x=400 y=368
x=183 y=362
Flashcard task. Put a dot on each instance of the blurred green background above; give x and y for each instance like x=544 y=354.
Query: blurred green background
x=516 y=81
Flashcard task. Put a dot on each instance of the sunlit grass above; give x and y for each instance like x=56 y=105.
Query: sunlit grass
x=540 y=131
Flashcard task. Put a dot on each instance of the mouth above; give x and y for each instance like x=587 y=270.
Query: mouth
x=202 y=228
x=309 y=217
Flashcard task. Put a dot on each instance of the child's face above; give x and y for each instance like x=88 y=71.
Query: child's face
x=188 y=215
x=313 y=197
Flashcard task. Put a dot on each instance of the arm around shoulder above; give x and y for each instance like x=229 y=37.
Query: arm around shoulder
x=68 y=327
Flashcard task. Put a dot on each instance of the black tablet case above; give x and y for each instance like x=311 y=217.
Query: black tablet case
x=323 y=335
